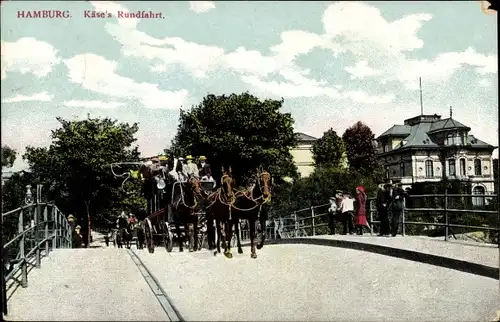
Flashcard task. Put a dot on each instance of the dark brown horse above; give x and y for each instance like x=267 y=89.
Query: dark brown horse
x=185 y=207
x=219 y=208
x=252 y=205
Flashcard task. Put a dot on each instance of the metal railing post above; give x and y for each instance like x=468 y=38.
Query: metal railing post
x=46 y=224
x=403 y=220
x=22 y=251
x=36 y=215
x=446 y=219
x=371 y=217
x=55 y=227
x=313 y=224
x=296 y=225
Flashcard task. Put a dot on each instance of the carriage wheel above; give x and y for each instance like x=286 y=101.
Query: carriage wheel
x=148 y=232
x=167 y=237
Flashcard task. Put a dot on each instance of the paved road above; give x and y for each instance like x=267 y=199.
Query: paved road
x=286 y=282
x=86 y=285
x=318 y=283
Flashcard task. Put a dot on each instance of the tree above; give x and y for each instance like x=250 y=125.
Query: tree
x=8 y=156
x=74 y=168
x=329 y=150
x=239 y=130
x=361 y=152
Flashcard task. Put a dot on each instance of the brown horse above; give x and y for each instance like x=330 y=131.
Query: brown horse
x=251 y=205
x=185 y=206
x=219 y=208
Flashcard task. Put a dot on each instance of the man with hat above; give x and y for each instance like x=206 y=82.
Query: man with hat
x=396 y=207
x=382 y=203
x=203 y=166
x=191 y=169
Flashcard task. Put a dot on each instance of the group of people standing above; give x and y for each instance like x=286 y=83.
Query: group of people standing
x=348 y=210
x=352 y=211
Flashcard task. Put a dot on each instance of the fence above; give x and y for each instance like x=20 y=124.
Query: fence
x=30 y=232
x=441 y=213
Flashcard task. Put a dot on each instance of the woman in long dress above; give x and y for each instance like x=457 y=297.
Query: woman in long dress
x=360 y=217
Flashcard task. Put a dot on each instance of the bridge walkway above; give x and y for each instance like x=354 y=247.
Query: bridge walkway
x=286 y=282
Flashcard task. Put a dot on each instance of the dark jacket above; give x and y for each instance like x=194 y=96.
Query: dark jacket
x=397 y=200
x=383 y=198
x=205 y=169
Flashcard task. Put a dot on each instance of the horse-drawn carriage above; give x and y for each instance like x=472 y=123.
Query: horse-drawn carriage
x=177 y=209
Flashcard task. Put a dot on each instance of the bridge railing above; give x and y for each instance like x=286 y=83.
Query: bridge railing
x=432 y=214
x=29 y=233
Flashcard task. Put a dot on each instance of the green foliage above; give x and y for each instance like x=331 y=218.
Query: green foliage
x=8 y=156
x=238 y=130
x=361 y=152
x=329 y=149
x=317 y=188
x=74 y=168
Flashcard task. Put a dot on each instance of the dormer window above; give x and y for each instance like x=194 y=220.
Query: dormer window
x=455 y=139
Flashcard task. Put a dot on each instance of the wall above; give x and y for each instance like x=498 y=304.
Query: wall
x=302 y=157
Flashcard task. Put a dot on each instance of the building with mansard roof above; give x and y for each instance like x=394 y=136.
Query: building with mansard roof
x=302 y=154
x=427 y=148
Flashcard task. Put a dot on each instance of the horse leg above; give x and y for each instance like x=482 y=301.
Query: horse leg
x=180 y=238
x=228 y=236
x=251 y=223
x=210 y=231
x=237 y=232
x=191 y=235
x=262 y=232
x=196 y=236
x=217 y=226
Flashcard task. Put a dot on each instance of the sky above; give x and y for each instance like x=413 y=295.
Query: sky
x=334 y=63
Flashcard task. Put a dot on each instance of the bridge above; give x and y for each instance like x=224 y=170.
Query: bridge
x=301 y=276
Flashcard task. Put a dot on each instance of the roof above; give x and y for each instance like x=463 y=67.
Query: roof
x=447 y=124
x=397 y=130
x=304 y=137
x=418 y=134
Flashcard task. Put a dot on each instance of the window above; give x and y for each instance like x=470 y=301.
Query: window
x=477 y=167
x=402 y=169
x=386 y=148
x=449 y=139
x=462 y=167
x=429 y=169
x=478 y=200
x=452 y=171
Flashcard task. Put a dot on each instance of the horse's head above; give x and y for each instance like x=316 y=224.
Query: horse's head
x=227 y=185
x=264 y=182
x=195 y=186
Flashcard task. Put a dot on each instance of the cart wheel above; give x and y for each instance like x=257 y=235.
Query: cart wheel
x=148 y=232
x=167 y=237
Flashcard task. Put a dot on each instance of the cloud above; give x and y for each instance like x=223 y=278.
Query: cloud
x=201 y=6
x=253 y=67
x=98 y=74
x=484 y=82
x=361 y=70
x=40 y=97
x=28 y=55
x=384 y=44
x=93 y=104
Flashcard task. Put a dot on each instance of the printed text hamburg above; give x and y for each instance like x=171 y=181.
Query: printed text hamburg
x=91 y=14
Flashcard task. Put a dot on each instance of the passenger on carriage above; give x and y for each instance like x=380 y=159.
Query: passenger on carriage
x=190 y=168
x=203 y=167
x=180 y=169
x=132 y=220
